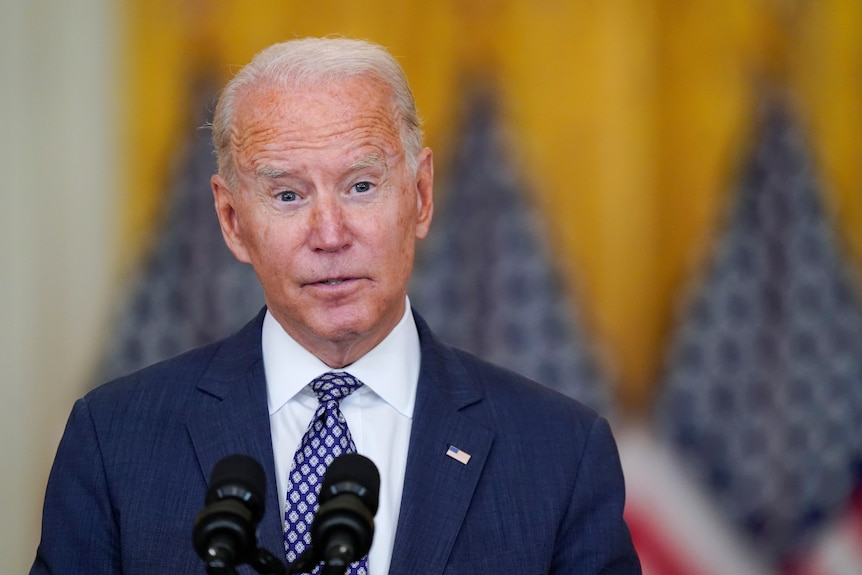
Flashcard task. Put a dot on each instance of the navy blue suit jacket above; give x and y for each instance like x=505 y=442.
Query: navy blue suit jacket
x=542 y=493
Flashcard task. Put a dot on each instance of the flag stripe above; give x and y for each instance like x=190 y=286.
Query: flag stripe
x=659 y=553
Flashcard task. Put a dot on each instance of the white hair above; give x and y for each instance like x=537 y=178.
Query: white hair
x=317 y=60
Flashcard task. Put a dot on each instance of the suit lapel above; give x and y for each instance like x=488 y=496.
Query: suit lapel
x=437 y=487
x=233 y=418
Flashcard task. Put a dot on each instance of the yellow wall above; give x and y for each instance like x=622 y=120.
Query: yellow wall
x=629 y=118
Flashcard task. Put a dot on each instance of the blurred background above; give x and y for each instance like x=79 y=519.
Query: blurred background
x=652 y=205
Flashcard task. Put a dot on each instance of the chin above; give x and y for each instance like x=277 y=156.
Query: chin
x=341 y=327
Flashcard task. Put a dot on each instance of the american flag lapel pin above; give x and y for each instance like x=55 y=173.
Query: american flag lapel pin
x=458 y=455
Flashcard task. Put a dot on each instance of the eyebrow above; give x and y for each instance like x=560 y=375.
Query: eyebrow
x=365 y=162
x=268 y=172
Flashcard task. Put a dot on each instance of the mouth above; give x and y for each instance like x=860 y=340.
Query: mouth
x=333 y=281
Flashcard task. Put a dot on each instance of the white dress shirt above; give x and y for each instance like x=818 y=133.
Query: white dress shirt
x=379 y=414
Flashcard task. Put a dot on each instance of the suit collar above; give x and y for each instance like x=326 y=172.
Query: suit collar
x=233 y=359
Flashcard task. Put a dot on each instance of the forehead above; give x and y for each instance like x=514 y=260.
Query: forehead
x=352 y=112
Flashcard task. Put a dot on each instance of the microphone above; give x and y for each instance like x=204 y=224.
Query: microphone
x=343 y=526
x=225 y=535
x=225 y=530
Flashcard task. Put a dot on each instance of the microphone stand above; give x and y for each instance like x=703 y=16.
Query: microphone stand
x=260 y=560
x=266 y=563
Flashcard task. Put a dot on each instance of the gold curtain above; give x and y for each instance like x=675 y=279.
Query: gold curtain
x=628 y=118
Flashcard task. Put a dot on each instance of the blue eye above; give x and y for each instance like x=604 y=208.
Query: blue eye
x=288 y=196
x=362 y=187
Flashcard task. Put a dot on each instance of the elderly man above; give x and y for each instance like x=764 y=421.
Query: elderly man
x=324 y=186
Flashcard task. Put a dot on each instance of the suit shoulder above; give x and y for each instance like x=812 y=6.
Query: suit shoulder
x=244 y=344
x=178 y=371
x=225 y=360
x=156 y=394
x=518 y=394
x=459 y=371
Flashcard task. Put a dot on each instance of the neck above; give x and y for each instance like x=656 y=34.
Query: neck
x=341 y=349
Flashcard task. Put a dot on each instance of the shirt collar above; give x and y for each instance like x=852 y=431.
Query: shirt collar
x=390 y=370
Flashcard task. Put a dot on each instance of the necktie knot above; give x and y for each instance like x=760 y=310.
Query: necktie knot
x=334 y=386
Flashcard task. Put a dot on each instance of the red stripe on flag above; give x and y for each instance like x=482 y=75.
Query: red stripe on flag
x=855 y=518
x=659 y=553
x=804 y=567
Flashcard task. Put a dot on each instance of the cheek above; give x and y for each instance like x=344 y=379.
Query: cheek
x=407 y=214
x=402 y=244
x=401 y=230
x=270 y=243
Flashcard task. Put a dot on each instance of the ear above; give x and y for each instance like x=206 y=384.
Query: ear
x=424 y=192
x=225 y=206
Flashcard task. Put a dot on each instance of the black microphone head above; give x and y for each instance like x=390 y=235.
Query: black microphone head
x=355 y=474
x=344 y=523
x=241 y=477
x=224 y=532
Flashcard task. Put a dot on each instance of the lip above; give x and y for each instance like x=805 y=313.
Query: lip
x=335 y=284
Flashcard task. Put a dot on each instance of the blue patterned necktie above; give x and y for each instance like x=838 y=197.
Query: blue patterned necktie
x=326 y=438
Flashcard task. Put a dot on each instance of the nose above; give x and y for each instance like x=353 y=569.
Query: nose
x=329 y=231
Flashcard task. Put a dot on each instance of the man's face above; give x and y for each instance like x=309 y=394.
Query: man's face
x=326 y=210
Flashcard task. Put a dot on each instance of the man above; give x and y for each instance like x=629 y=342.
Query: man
x=323 y=187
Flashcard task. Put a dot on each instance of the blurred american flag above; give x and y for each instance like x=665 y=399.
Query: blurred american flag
x=485 y=279
x=762 y=399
